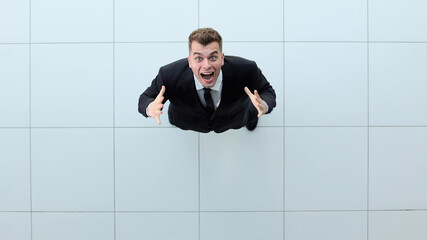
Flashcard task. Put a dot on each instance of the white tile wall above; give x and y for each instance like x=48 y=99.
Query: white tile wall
x=14 y=170
x=168 y=20
x=249 y=225
x=15 y=21
x=244 y=20
x=340 y=157
x=71 y=226
x=398 y=20
x=240 y=173
x=326 y=225
x=15 y=86
x=72 y=169
x=397 y=225
x=71 y=21
x=158 y=226
x=72 y=85
x=397 y=86
x=396 y=168
x=326 y=168
x=156 y=170
x=326 y=20
x=326 y=84
x=15 y=226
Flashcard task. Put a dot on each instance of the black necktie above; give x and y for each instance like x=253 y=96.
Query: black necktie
x=208 y=100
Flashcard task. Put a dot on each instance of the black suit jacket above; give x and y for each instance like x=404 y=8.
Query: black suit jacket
x=186 y=110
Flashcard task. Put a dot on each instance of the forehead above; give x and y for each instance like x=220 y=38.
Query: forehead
x=198 y=48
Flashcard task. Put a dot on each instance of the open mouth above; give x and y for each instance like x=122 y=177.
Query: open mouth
x=207 y=76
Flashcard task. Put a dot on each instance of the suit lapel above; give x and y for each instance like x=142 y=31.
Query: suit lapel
x=229 y=85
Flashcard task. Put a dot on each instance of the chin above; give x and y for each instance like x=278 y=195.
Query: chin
x=209 y=85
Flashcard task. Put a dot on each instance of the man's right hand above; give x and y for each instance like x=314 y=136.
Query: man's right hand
x=155 y=108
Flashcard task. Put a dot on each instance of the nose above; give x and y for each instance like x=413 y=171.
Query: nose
x=206 y=64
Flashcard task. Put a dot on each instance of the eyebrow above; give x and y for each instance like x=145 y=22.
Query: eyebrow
x=212 y=53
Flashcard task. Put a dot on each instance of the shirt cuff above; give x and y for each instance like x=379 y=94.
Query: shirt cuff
x=266 y=104
x=146 y=110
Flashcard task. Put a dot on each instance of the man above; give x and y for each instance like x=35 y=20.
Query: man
x=209 y=91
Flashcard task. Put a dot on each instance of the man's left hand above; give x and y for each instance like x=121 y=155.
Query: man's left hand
x=257 y=101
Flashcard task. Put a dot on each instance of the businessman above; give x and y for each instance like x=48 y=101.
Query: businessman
x=209 y=91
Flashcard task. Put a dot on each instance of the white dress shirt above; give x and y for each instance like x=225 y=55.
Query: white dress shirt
x=215 y=90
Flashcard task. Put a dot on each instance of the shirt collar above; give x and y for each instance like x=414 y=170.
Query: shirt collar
x=216 y=87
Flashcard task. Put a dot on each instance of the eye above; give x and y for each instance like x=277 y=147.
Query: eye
x=213 y=58
x=198 y=59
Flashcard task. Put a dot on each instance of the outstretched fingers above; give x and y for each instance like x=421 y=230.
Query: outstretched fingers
x=161 y=93
x=248 y=92
x=256 y=101
x=157 y=117
x=155 y=108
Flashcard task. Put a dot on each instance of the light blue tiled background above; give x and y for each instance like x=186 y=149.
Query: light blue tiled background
x=342 y=156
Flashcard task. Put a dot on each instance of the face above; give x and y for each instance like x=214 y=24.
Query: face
x=206 y=62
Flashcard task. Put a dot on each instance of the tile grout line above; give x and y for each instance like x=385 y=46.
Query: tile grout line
x=240 y=41
x=284 y=124
x=368 y=121
x=114 y=119
x=30 y=120
x=243 y=211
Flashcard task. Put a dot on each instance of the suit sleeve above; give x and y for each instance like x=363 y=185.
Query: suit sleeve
x=151 y=93
x=265 y=90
